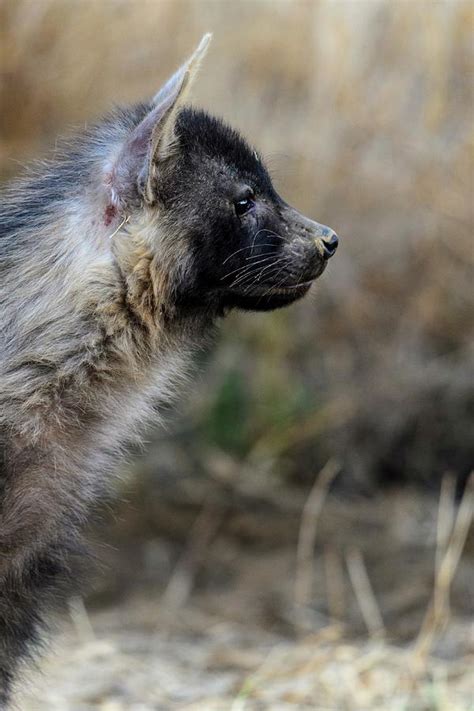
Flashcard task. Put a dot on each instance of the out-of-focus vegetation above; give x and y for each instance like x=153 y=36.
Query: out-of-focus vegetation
x=364 y=111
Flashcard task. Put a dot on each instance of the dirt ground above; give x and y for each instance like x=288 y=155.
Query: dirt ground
x=218 y=624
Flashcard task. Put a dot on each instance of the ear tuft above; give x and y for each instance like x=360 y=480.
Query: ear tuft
x=152 y=140
x=186 y=73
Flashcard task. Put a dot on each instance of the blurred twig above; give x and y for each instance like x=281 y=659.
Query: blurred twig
x=364 y=593
x=446 y=517
x=334 y=576
x=81 y=619
x=181 y=581
x=307 y=534
x=447 y=563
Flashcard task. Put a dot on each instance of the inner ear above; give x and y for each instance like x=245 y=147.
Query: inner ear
x=151 y=141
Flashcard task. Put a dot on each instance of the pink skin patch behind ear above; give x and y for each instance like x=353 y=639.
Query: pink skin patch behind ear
x=109 y=215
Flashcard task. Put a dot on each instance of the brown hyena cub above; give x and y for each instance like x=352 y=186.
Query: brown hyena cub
x=116 y=258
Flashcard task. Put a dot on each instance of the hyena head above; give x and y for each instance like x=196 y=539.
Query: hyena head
x=221 y=232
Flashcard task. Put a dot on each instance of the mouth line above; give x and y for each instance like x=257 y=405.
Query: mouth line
x=267 y=298
x=293 y=291
x=301 y=286
x=289 y=289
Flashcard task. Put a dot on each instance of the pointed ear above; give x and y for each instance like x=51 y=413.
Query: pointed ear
x=151 y=141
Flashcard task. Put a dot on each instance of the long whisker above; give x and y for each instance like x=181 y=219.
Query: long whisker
x=274 y=287
x=255 y=256
x=270 y=232
x=269 y=266
x=252 y=270
x=248 y=274
x=249 y=246
x=241 y=249
x=260 y=273
x=265 y=258
x=248 y=268
x=293 y=286
x=278 y=261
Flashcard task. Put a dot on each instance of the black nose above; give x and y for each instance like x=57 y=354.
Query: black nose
x=330 y=244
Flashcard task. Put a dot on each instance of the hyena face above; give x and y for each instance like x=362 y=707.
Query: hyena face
x=225 y=238
x=249 y=248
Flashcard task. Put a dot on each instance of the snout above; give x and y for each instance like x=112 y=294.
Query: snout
x=314 y=235
x=326 y=240
x=329 y=244
x=287 y=272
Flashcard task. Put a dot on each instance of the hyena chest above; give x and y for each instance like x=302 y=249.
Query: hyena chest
x=128 y=412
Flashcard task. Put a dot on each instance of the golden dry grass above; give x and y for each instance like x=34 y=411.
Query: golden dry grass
x=207 y=648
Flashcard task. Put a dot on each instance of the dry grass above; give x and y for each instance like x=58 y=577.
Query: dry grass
x=323 y=672
x=190 y=653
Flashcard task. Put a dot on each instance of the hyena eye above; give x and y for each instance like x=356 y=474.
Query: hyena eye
x=244 y=203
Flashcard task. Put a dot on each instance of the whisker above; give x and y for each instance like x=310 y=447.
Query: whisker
x=270 y=232
x=247 y=275
x=269 y=265
x=246 y=268
x=261 y=272
x=250 y=286
x=255 y=256
x=252 y=246
x=277 y=286
x=242 y=278
x=249 y=246
x=249 y=266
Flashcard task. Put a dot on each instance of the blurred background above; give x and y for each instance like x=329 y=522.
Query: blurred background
x=296 y=537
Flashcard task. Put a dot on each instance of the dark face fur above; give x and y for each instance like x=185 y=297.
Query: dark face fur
x=249 y=249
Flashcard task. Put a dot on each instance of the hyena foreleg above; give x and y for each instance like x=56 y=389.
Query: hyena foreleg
x=27 y=592
x=42 y=509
